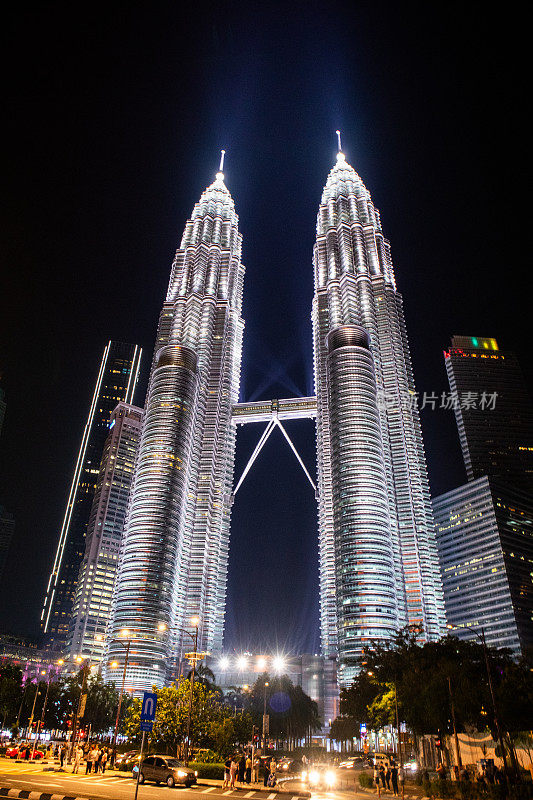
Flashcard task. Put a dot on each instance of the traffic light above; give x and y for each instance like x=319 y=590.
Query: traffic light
x=438 y=743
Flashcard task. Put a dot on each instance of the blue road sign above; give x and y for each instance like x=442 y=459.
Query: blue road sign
x=148 y=706
x=147 y=725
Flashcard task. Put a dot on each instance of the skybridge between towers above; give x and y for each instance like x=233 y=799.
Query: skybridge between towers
x=273 y=412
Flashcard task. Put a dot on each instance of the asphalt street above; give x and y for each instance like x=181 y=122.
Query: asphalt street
x=121 y=786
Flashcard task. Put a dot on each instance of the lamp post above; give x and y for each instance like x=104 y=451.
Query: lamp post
x=41 y=721
x=33 y=710
x=79 y=711
x=195 y=621
x=115 y=733
x=264 y=714
x=481 y=637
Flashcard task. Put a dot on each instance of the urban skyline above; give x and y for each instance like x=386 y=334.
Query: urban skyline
x=107 y=199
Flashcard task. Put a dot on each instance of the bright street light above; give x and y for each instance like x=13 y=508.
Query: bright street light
x=224 y=663
x=261 y=663
x=242 y=662
x=279 y=664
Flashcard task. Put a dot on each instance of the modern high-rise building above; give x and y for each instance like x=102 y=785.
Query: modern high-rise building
x=116 y=380
x=493 y=410
x=378 y=558
x=175 y=547
x=96 y=580
x=7 y=529
x=485 y=541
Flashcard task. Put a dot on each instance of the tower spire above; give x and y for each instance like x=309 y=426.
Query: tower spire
x=339 y=140
x=220 y=174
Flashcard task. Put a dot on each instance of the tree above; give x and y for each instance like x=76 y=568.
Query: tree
x=343 y=729
x=11 y=692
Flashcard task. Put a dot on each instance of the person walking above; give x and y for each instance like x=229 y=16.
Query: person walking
x=272 y=775
x=78 y=756
x=62 y=755
x=242 y=768
x=103 y=762
x=248 y=770
x=227 y=767
x=382 y=775
x=387 y=775
x=98 y=765
x=376 y=779
x=89 y=761
x=257 y=764
x=233 y=770
x=394 y=779
x=401 y=778
x=266 y=772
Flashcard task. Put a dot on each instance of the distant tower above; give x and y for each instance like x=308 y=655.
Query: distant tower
x=96 y=579
x=117 y=377
x=378 y=559
x=175 y=546
x=493 y=411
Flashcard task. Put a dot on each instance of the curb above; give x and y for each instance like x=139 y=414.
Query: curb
x=29 y=795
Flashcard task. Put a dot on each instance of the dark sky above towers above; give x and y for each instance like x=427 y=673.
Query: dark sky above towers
x=113 y=122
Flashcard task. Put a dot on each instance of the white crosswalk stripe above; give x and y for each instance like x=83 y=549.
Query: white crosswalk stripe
x=271 y=796
x=211 y=789
x=230 y=791
x=249 y=794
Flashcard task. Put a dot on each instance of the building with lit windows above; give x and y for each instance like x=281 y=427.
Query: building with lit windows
x=493 y=410
x=116 y=380
x=175 y=548
x=93 y=598
x=378 y=558
x=485 y=542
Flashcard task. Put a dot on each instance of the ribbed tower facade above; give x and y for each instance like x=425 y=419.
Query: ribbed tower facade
x=378 y=558
x=175 y=545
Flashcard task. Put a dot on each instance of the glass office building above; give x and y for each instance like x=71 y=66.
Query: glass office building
x=378 y=557
x=116 y=380
x=96 y=580
x=493 y=410
x=485 y=542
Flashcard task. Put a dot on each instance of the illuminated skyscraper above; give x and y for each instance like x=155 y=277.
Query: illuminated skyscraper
x=493 y=411
x=378 y=557
x=117 y=377
x=175 y=546
x=96 y=579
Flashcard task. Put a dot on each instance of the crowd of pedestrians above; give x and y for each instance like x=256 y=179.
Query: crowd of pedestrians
x=389 y=776
x=240 y=769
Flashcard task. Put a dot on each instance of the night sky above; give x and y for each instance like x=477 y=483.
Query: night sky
x=114 y=120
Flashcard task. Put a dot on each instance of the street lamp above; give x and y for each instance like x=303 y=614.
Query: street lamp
x=264 y=714
x=41 y=721
x=124 y=632
x=195 y=622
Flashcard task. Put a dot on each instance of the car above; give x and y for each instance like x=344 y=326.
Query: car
x=320 y=776
x=354 y=762
x=165 y=769
x=126 y=761
x=18 y=751
x=288 y=766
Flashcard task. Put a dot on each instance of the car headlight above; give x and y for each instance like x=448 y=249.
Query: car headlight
x=304 y=775
x=195 y=773
x=314 y=776
x=285 y=766
x=182 y=773
x=330 y=778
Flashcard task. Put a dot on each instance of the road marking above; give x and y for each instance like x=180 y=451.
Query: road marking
x=272 y=796
x=211 y=789
x=249 y=794
x=230 y=791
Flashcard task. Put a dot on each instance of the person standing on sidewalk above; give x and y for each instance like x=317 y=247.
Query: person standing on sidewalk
x=394 y=778
x=248 y=770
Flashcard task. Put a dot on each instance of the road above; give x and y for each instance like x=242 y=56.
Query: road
x=121 y=786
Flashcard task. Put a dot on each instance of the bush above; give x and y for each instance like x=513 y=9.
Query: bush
x=365 y=780
x=207 y=757
x=213 y=771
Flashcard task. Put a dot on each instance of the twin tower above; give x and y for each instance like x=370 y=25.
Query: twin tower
x=378 y=560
